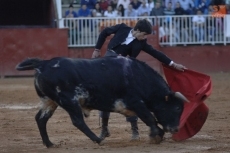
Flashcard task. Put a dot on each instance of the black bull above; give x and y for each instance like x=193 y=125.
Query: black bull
x=114 y=84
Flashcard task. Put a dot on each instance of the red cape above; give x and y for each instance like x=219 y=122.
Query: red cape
x=196 y=87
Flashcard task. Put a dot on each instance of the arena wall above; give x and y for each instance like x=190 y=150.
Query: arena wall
x=18 y=44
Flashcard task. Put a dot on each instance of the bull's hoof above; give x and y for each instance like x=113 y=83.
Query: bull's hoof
x=101 y=143
x=49 y=145
x=156 y=140
x=104 y=133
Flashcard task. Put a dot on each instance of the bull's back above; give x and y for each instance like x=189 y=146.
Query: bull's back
x=102 y=73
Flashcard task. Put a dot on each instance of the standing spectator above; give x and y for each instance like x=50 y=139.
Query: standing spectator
x=104 y=5
x=114 y=5
x=173 y=33
x=179 y=10
x=110 y=13
x=163 y=32
x=89 y=3
x=70 y=13
x=130 y=12
x=143 y=10
x=125 y=3
x=185 y=4
x=184 y=25
x=210 y=23
x=120 y=11
x=97 y=12
x=198 y=25
x=136 y=4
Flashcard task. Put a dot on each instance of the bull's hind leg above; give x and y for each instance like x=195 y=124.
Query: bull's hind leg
x=72 y=106
x=156 y=133
x=47 y=109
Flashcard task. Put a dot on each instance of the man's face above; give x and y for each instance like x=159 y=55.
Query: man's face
x=140 y=35
x=158 y=5
x=84 y=7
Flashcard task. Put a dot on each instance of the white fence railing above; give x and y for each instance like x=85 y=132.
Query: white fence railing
x=172 y=30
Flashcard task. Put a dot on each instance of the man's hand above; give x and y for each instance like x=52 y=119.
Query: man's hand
x=96 y=53
x=178 y=67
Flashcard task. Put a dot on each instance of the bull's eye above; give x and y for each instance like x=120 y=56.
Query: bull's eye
x=177 y=108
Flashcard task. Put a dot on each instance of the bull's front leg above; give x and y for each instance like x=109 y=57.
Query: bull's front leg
x=156 y=133
x=72 y=106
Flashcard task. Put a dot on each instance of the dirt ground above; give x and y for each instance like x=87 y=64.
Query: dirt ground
x=19 y=133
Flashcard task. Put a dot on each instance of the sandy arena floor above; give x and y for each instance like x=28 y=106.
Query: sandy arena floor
x=19 y=133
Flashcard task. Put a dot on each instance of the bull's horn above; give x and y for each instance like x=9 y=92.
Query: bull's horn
x=180 y=96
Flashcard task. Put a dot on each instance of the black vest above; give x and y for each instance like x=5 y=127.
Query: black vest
x=124 y=50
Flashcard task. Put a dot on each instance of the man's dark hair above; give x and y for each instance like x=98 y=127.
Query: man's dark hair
x=143 y=25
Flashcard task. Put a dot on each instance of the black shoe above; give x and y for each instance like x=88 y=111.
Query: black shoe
x=104 y=133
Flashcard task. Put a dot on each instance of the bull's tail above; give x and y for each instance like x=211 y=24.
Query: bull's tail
x=29 y=64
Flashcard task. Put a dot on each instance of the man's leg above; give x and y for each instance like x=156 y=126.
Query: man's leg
x=104 y=130
x=134 y=127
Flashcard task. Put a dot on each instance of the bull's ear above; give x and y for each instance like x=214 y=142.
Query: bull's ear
x=181 y=96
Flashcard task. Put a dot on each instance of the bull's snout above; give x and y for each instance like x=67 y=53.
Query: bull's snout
x=172 y=130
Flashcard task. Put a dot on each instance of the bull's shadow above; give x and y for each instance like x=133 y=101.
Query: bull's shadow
x=113 y=84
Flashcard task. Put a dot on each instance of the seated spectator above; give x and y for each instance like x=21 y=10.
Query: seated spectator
x=97 y=12
x=110 y=13
x=84 y=12
x=130 y=12
x=198 y=25
x=150 y=4
x=191 y=10
x=70 y=13
x=203 y=6
x=172 y=1
x=114 y=5
x=120 y=11
x=104 y=5
x=143 y=9
x=89 y=3
x=71 y=24
x=125 y=3
x=185 y=4
x=169 y=10
x=179 y=10
x=136 y=4
x=158 y=10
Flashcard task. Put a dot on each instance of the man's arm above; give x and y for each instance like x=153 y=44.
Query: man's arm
x=102 y=37
x=162 y=57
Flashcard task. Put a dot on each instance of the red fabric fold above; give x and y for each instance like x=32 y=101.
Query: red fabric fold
x=196 y=87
